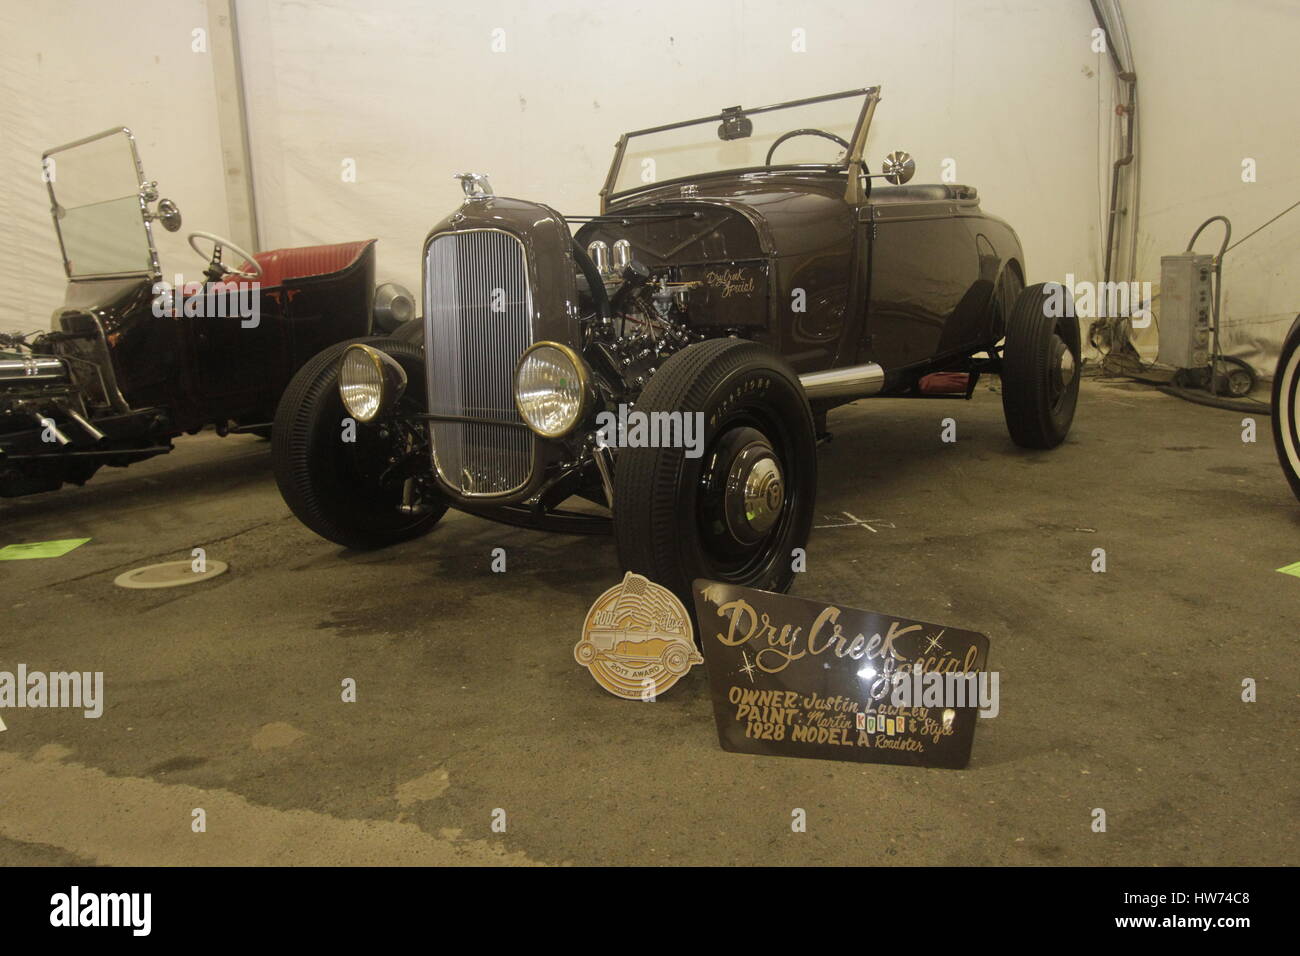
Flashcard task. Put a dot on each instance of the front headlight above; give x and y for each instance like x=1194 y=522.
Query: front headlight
x=551 y=388
x=370 y=382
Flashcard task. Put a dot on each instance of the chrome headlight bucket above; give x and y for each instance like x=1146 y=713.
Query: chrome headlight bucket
x=552 y=388
x=370 y=382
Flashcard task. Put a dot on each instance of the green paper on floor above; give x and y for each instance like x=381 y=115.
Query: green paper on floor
x=40 y=549
x=1291 y=569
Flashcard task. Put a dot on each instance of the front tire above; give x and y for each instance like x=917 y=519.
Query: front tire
x=1286 y=408
x=1041 y=361
x=735 y=513
x=344 y=491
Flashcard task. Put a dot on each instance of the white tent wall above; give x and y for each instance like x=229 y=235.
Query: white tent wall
x=1218 y=84
x=77 y=67
x=359 y=112
x=408 y=93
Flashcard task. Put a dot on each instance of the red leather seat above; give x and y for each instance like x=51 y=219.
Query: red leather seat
x=282 y=265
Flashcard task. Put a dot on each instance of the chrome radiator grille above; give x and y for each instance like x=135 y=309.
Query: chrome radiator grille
x=478 y=321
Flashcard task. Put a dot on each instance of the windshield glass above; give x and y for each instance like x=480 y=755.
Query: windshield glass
x=96 y=191
x=696 y=147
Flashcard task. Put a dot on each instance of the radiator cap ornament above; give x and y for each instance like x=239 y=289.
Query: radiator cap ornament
x=637 y=640
x=475 y=185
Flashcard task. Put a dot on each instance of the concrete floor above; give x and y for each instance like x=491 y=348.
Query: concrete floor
x=1119 y=690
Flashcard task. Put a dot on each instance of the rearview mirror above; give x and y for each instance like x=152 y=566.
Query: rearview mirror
x=169 y=214
x=735 y=125
x=899 y=167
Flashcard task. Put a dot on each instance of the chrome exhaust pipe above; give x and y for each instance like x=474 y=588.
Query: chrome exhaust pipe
x=851 y=381
x=90 y=429
x=46 y=422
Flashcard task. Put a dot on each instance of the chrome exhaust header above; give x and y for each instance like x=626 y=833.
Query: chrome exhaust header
x=851 y=381
x=45 y=421
x=95 y=434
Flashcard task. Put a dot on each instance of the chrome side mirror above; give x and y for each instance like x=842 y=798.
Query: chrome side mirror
x=169 y=214
x=899 y=167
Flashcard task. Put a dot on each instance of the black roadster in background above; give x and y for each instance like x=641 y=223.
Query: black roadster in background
x=131 y=362
x=745 y=273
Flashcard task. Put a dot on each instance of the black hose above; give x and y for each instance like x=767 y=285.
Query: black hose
x=1196 y=396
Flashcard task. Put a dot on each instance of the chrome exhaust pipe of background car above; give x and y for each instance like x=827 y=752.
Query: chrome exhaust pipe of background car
x=90 y=429
x=853 y=380
x=46 y=422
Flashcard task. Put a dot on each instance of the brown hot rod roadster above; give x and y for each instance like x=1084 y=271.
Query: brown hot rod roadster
x=747 y=272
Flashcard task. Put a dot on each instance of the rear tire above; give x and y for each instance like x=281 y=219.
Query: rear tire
x=1041 y=361
x=337 y=488
x=1286 y=408
x=674 y=519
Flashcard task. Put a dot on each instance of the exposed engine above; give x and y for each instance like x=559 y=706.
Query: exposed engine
x=663 y=278
x=40 y=407
x=647 y=321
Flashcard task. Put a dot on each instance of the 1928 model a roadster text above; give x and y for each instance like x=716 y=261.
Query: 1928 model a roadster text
x=131 y=362
x=743 y=273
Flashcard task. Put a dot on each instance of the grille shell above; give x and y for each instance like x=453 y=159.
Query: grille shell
x=471 y=353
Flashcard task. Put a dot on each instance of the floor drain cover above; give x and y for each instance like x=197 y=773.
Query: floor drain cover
x=169 y=575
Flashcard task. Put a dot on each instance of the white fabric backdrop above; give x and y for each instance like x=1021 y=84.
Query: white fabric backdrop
x=1219 y=83
x=77 y=67
x=1012 y=91
x=412 y=91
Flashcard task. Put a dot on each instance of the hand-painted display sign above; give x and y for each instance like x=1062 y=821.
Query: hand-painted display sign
x=799 y=678
x=637 y=640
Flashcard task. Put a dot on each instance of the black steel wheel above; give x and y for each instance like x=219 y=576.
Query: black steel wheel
x=350 y=492
x=1286 y=407
x=1041 y=362
x=737 y=511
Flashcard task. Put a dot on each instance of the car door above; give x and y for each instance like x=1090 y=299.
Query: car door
x=236 y=349
x=926 y=298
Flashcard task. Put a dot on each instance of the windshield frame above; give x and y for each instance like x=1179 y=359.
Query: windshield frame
x=854 y=191
x=144 y=189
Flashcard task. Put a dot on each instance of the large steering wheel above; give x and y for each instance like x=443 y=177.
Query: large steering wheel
x=218 y=270
x=803 y=132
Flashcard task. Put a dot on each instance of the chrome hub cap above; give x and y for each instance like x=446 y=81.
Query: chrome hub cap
x=1063 y=370
x=1067 y=366
x=755 y=492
